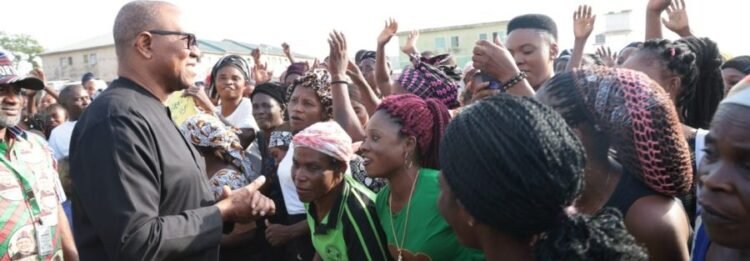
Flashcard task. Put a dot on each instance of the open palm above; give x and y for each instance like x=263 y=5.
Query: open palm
x=391 y=27
x=411 y=43
x=678 y=18
x=583 y=22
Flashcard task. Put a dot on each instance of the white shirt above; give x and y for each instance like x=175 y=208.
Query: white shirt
x=59 y=139
x=700 y=143
x=291 y=199
x=242 y=117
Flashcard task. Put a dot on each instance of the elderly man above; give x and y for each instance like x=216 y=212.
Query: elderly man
x=34 y=226
x=141 y=191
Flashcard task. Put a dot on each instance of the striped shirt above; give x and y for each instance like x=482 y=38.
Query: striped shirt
x=351 y=230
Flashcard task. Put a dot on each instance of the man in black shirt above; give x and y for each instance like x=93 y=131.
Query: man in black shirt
x=140 y=188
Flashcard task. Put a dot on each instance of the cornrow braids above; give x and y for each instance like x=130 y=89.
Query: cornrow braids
x=637 y=117
x=320 y=82
x=709 y=87
x=696 y=61
x=424 y=119
x=519 y=180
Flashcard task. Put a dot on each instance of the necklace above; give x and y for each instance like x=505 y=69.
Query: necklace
x=400 y=246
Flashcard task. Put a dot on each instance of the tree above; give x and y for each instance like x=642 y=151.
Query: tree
x=21 y=46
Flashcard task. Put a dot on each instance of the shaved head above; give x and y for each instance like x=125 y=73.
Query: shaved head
x=134 y=18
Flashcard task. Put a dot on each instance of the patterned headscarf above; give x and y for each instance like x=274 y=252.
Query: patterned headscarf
x=228 y=60
x=204 y=130
x=326 y=137
x=320 y=82
x=280 y=139
x=637 y=116
x=427 y=81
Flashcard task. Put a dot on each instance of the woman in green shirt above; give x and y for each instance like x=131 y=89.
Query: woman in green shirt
x=511 y=194
x=401 y=143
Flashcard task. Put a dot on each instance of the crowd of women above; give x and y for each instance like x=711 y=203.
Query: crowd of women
x=530 y=152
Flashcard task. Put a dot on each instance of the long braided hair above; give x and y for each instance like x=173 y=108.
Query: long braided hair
x=635 y=115
x=519 y=171
x=424 y=119
x=697 y=61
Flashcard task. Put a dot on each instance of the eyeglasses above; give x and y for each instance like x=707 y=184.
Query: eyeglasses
x=191 y=39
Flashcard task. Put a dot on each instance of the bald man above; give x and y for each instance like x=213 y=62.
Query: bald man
x=141 y=191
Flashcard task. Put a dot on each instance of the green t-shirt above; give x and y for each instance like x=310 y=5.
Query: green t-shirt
x=427 y=233
x=350 y=230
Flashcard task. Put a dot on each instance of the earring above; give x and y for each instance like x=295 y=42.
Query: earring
x=407 y=161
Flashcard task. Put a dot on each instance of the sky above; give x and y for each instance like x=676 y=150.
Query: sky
x=306 y=24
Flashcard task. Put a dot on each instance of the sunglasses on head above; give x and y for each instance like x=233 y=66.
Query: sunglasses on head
x=192 y=41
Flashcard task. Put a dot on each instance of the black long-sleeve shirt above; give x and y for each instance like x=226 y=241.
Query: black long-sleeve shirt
x=139 y=188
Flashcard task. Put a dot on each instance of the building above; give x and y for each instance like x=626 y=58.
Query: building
x=618 y=30
x=97 y=55
x=458 y=40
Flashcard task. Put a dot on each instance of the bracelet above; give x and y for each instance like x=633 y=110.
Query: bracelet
x=513 y=81
x=339 y=82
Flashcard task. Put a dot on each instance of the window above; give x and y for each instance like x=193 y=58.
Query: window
x=85 y=59
x=70 y=60
x=601 y=39
x=482 y=36
x=92 y=58
x=494 y=35
x=454 y=42
x=440 y=43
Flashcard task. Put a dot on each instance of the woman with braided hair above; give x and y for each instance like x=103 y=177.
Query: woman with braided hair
x=402 y=144
x=688 y=69
x=626 y=112
x=510 y=192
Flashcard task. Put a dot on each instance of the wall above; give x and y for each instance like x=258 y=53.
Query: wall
x=104 y=65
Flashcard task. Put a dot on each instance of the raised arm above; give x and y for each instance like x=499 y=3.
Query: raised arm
x=583 y=25
x=288 y=52
x=677 y=21
x=410 y=48
x=343 y=112
x=382 y=74
x=653 y=17
x=495 y=60
x=369 y=98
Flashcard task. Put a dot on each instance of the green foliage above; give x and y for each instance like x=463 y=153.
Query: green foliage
x=21 y=46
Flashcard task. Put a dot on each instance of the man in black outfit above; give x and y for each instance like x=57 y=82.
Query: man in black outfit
x=141 y=191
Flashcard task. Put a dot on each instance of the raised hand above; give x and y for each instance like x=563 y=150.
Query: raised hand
x=338 y=59
x=609 y=57
x=583 y=22
x=286 y=48
x=495 y=60
x=256 y=56
x=411 y=43
x=391 y=27
x=658 y=6
x=261 y=74
x=678 y=18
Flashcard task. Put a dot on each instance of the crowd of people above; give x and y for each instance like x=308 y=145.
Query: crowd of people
x=529 y=152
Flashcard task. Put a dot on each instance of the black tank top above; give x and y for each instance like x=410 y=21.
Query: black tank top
x=628 y=190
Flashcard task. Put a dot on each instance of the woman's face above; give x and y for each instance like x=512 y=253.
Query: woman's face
x=230 y=83
x=361 y=112
x=731 y=77
x=56 y=117
x=456 y=216
x=305 y=109
x=724 y=178
x=367 y=66
x=648 y=63
x=267 y=112
x=534 y=54
x=314 y=174
x=384 y=149
x=47 y=100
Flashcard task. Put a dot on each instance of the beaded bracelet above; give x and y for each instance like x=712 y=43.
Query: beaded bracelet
x=513 y=81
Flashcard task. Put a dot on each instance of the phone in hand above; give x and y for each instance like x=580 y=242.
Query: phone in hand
x=483 y=77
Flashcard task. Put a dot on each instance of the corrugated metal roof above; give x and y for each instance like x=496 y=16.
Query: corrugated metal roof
x=207 y=46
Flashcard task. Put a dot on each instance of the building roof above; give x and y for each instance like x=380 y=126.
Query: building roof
x=206 y=46
x=454 y=27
